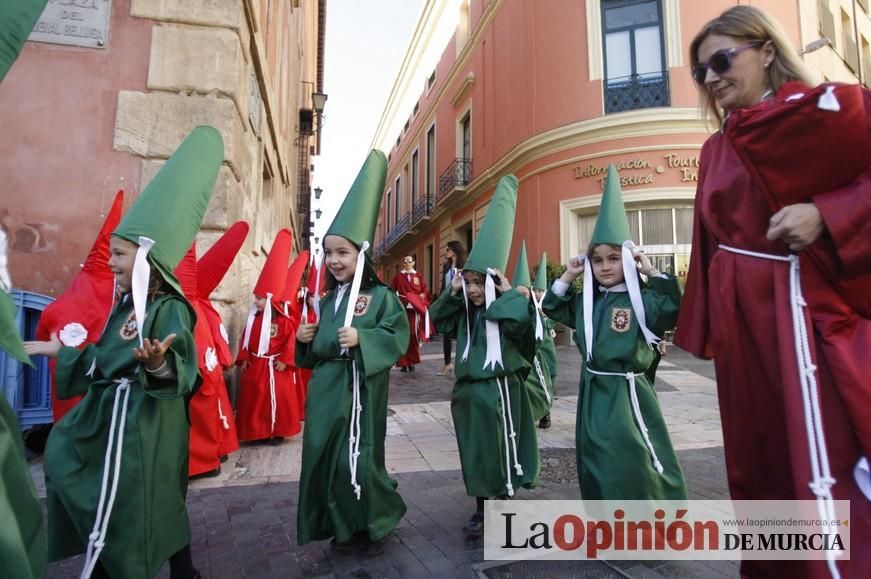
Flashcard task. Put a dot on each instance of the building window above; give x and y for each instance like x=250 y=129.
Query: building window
x=636 y=75
x=415 y=173
x=430 y=163
x=397 y=200
x=389 y=207
x=466 y=136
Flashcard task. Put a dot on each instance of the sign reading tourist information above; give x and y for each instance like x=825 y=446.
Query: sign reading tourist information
x=74 y=23
x=643 y=170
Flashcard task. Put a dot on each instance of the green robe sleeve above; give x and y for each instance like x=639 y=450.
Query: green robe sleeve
x=303 y=356
x=661 y=304
x=381 y=346
x=561 y=308
x=445 y=313
x=172 y=316
x=71 y=370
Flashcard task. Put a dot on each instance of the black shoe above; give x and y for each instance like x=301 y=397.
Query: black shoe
x=208 y=474
x=276 y=441
x=411 y=368
x=475 y=527
x=403 y=368
x=544 y=423
x=223 y=458
x=349 y=545
x=375 y=548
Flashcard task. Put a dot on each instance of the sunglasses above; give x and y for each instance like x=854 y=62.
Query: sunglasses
x=720 y=62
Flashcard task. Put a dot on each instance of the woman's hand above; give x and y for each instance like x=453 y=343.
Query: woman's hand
x=797 y=225
x=306 y=333
x=574 y=268
x=49 y=348
x=153 y=352
x=457 y=282
x=348 y=337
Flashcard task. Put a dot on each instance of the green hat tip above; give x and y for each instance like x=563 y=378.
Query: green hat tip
x=358 y=215
x=612 y=225
x=521 y=270
x=493 y=242
x=541 y=274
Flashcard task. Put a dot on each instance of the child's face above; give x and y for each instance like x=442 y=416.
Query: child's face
x=538 y=294
x=523 y=290
x=122 y=255
x=259 y=303
x=607 y=263
x=340 y=256
x=474 y=287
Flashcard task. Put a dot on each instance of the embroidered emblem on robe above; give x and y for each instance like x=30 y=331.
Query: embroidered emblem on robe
x=620 y=318
x=362 y=305
x=273 y=330
x=415 y=281
x=129 y=331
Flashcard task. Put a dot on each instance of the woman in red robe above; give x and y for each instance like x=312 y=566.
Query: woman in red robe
x=769 y=206
x=410 y=286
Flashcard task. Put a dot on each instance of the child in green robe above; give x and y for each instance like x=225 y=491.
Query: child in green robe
x=622 y=444
x=490 y=405
x=116 y=465
x=345 y=492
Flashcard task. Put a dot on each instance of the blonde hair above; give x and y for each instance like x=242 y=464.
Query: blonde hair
x=750 y=24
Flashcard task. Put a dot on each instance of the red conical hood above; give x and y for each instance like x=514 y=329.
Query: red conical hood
x=213 y=265
x=294 y=276
x=186 y=272
x=273 y=277
x=313 y=273
x=95 y=263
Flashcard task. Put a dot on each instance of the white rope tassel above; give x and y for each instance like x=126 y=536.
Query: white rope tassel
x=97 y=538
x=265 y=327
x=636 y=411
x=273 y=404
x=494 y=344
x=508 y=486
x=513 y=435
x=539 y=323
x=822 y=482
x=316 y=300
x=248 y=325
x=222 y=416
x=630 y=272
x=354 y=438
x=540 y=373
x=355 y=288
x=588 y=307
x=139 y=281
x=465 y=355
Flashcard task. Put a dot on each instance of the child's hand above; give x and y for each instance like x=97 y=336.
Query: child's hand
x=644 y=265
x=457 y=282
x=153 y=352
x=244 y=365
x=503 y=286
x=49 y=348
x=348 y=337
x=306 y=333
x=574 y=268
x=279 y=366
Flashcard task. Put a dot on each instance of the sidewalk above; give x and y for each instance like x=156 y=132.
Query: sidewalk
x=244 y=522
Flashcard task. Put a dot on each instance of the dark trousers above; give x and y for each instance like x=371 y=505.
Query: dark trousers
x=446 y=346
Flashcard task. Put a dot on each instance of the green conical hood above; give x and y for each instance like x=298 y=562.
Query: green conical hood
x=612 y=226
x=521 y=270
x=171 y=207
x=358 y=214
x=17 y=18
x=541 y=274
x=493 y=242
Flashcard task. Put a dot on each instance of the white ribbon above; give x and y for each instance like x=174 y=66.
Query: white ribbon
x=139 y=282
x=539 y=322
x=356 y=432
x=304 y=315
x=97 y=538
x=265 y=327
x=630 y=272
x=828 y=101
x=588 y=306
x=355 y=288
x=316 y=300
x=468 y=325
x=426 y=322
x=494 y=344
x=822 y=482
x=248 y=325
x=222 y=416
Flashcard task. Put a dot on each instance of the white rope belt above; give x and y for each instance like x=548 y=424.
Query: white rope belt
x=356 y=434
x=822 y=482
x=222 y=416
x=97 y=538
x=636 y=411
x=541 y=377
x=508 y=434
x=272 y=401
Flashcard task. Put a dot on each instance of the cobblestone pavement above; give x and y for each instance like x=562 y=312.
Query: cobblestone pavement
x=244 y=522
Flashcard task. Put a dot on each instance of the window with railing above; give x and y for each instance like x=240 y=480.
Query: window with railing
x=636 y=75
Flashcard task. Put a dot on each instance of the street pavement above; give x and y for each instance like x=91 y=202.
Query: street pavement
x=244 y=522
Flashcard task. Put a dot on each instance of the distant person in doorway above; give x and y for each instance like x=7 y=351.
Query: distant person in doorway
x=455 y=259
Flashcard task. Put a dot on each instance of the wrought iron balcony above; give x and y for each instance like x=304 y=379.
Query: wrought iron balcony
x=422 y=208
x=397 y=231
x=633 y=92
x=458 y=174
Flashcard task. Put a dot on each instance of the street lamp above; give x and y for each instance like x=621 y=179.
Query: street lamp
x=318 y=192
x=318 y=213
